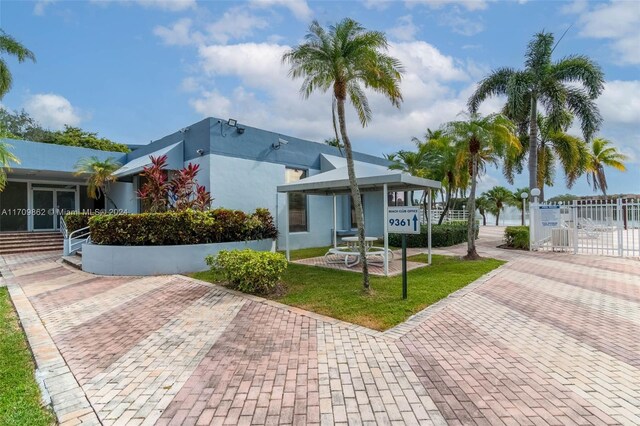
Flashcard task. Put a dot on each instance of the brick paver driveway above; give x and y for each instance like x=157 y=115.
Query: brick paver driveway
x=547 y=339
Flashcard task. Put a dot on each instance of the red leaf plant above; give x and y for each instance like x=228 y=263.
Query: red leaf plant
x=180 y=193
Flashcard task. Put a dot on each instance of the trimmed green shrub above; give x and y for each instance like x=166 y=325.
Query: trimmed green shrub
x=181 y=227
x=517 y=237
x=76 y=220
x=249 y=271
x=445 y=235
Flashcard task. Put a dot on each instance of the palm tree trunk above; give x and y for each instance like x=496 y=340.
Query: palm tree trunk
x=533 y=143
x=498 y=218
x=445 y=209
x=472 y=254
x=355 y=194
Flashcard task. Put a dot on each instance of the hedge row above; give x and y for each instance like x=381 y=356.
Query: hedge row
x=183 y=227
x=76 y=220
x=444 y=235
x=517 y=237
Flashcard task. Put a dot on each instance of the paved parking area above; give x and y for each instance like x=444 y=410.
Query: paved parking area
x=546 y=339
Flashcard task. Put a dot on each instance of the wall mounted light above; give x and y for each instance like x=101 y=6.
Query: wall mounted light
x=279 y=143
x=231 y=123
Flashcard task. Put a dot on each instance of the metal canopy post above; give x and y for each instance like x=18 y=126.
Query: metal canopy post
x=286 y=226
x=385 y=206
x=429 y=194
x=335 y=223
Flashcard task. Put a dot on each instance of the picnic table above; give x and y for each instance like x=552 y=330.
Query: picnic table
x=350 y=254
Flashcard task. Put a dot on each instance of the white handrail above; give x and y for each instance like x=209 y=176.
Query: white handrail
x=63 y=227
x=80 y=236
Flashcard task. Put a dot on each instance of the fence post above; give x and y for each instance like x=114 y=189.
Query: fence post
x=532 y=229
x=620 y=229
x=574 y=222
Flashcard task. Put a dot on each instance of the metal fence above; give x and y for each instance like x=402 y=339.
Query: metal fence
x=450 y=216
x=609 y=227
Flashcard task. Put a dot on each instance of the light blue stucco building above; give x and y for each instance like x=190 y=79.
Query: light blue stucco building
x=241 y=166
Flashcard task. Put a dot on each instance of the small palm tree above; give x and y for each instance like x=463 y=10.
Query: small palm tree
x=550 y=83
x=519 y=202
x=499 y=197
x=601 y=155
x=345 y=58
x=99 y=175
x=481 y=140
x=416 y=163
x=9 y=45
x=483 y=205
x=6 y=158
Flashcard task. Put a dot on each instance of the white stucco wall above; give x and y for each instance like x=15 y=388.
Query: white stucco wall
x=124 y=195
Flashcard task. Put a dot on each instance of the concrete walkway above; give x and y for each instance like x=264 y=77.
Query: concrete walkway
x=546 y=339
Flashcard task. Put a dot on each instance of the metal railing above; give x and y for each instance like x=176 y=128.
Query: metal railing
x=450 y=216
x=609 y=227
x=75 y=240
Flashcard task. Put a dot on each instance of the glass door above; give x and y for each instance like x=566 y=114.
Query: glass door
x=43 y=212
x=65 y=202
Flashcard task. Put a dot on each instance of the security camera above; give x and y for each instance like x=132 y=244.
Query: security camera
x=282 y=141
x=200 y=151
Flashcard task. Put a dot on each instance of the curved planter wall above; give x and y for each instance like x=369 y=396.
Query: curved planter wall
x=158 y=260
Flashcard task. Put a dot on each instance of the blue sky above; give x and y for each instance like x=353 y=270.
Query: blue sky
x=136 y=70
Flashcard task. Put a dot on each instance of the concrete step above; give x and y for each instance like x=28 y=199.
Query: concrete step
x=31 y=242
x=25 y=234
x=73 y=260
x=15 y=250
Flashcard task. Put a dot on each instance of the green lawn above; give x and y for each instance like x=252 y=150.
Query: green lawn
x=19 y=393
x=339 y=294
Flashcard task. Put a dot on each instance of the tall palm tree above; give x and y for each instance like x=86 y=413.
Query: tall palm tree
x=100 y=175
x=603 y=154
x=345 y=58
x=498 y=198
x=6 y=158
x=482 y=141
x=10 y=46
x=552 y=84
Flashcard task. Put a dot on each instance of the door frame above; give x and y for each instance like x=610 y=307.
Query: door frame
x=30 y=189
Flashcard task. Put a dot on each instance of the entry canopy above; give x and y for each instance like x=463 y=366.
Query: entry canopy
x=175 y=160
x=370 y=178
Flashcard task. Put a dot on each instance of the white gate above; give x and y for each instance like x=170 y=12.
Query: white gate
x=609 y=227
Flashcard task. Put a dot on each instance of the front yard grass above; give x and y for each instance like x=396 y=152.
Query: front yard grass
x=19 y=394
x=339 y=294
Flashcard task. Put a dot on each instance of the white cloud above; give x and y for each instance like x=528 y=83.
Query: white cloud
x=405 y=30
x=299 y=8
x=266 y=97
x=178 y=34
x=235 y=23
x=620 y=102
x=40 y=6
x=212 y=103
x=462 y=25
x=52 y=111
x=471 y=5
x=377 y=4
x=617 y=21
x=168 y=5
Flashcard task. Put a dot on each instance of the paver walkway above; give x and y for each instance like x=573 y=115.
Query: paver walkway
x=546 y=339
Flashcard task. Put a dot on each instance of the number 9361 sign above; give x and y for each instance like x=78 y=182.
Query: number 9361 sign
x=403 y=220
